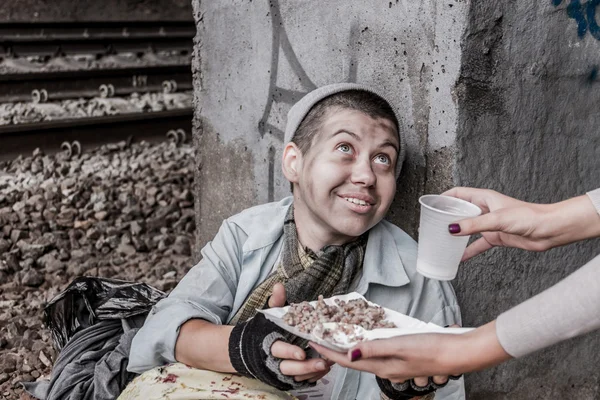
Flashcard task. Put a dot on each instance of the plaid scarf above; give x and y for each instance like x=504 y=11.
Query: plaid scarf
x=304 y=274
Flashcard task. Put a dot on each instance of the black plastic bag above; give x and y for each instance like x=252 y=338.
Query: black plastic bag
x=87 y=300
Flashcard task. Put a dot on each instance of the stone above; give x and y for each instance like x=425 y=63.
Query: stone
x=66 y=217
x=49 y=215
x=63 y=254
x=93 y=234
x=101 y=215
x=78 y=254
x=169 y=275
x=126 y=249
x=10 y=363
x=12 y=261
x=27 y=263
x=83 y=224
x=68 y=183
x=4 y=245
x=49 y=262
x=135 y=228
x=44 y=359
x=31 y=250
x=32 y=278
x=19 y=206
x=139 y=244
x=17 y=234
x=182 y=246
x=26 y=378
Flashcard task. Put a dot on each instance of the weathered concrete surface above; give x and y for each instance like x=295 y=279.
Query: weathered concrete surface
x=528 y=127
x=258 y=57
x=494 y=94
x=91 y=10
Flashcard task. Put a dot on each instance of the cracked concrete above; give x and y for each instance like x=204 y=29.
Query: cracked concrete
x=501 y=95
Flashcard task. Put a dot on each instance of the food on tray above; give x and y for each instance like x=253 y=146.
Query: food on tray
x=359 y=312
x=340 y=333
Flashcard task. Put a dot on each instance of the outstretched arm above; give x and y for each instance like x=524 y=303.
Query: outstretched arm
x=513 y=223
x=566 y=310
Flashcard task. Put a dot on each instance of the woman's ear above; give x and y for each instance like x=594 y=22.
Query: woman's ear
x=291 y=162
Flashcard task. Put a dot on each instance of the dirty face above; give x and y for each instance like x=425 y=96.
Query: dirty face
x=345 y=183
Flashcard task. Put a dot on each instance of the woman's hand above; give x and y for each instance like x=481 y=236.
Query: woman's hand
x=398 y=359
x=439 y=355
x=513 y=223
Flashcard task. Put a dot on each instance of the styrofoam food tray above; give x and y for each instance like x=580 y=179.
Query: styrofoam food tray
x=406 y=325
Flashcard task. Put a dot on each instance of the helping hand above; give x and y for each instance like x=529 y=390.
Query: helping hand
x=401 y=358
x=513 y=223
x=433 y=354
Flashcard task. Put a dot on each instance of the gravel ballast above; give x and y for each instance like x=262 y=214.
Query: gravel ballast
x=118 y=211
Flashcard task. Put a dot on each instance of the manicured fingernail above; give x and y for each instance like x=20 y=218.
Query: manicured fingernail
x=446 y=326
x=355 y=355
x=454 y=228
x=298 y=355
x=321 y=366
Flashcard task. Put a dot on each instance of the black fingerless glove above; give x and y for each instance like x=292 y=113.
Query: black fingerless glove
x=408 y=389
x=250 y=353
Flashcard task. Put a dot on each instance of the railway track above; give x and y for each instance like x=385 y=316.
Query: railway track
x=91 y=132
x=99 y=38
x=59 y=85
x=42 y=62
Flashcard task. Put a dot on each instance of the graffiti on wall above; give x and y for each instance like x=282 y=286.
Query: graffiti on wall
x=276 y=94
x=281 y=44
x=584 y=13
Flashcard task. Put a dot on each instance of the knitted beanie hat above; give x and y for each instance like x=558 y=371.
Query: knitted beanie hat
x=304 y=105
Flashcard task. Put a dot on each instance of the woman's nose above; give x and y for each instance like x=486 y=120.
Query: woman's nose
x=362 y=173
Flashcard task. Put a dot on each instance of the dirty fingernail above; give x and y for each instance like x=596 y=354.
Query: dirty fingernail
x=454 y=228
x=355 y=355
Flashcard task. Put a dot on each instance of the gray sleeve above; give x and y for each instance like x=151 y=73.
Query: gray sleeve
x=566 y=310
x=595 y=197
x=206 y=292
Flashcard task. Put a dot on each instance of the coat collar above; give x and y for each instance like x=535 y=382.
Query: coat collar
x=382 y=263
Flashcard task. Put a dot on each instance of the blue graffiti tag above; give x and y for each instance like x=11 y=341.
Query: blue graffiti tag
x=585 y=16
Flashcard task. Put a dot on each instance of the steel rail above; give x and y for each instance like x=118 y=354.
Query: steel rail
x=59 y=85
x=50 y=39
x=93 y=131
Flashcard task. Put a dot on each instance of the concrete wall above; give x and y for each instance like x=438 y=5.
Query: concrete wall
x=94 y=10
x=258 y=57
x=528 y=127
x=493 y=94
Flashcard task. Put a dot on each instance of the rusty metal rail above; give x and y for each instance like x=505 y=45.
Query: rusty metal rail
x=60 y=85
x=24 y=138
x=55 y=39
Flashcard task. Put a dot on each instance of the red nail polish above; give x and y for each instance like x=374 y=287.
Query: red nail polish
x=454 y=228
x=355 y=355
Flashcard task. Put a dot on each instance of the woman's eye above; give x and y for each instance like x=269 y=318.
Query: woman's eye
x=382 y=159
x=344 y=148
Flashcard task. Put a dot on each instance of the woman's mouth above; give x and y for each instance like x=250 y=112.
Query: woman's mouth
x=356 y=201
x=355 y=204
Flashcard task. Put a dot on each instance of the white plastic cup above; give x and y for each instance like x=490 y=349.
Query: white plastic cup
x=440 y=252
